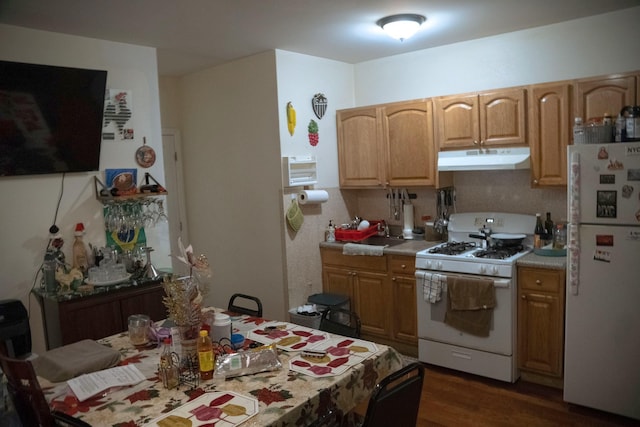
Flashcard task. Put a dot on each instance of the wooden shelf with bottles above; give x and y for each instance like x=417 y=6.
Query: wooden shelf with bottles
x=150 y=188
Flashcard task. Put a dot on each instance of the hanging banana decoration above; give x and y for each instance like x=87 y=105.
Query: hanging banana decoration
x=291 y=118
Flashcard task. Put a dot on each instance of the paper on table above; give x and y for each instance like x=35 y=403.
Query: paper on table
x=88 y=385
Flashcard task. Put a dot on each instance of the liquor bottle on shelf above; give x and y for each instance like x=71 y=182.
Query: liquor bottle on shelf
x=205 y=355
x=548 y=230
x=538 y=232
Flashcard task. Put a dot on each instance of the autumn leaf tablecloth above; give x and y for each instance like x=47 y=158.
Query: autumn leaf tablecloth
x=285 y=397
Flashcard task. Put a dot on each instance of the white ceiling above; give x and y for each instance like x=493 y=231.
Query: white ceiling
x=195 y=34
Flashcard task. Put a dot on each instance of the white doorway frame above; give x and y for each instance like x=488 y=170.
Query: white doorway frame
x=174 y=180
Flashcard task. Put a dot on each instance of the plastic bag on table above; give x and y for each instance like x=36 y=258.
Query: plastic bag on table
x=261 y=359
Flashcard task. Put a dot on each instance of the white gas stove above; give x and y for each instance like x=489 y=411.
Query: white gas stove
x=468 y=255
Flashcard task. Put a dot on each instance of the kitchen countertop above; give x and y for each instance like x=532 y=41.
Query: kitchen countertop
x=539 y=261
x=411 y=247
x=407 y=248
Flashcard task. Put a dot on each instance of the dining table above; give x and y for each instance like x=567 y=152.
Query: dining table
x=301 y=391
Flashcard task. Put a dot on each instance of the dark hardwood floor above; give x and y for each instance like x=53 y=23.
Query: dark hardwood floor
x=452 y=398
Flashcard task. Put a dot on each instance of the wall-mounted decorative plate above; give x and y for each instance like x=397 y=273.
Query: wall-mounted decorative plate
x=145 y=155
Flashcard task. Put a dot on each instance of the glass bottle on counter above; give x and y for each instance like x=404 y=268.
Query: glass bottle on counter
x=548 y=230
x=331 y=232
x=205 y=355
x=560 y=236
x=80 y=257
x=538 y=232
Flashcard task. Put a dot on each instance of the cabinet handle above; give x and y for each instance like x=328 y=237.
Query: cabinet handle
x=475 y=142
x=482 y=142
x=538 y=282
x=523 y=297
x=393 y=279
x=403 y=266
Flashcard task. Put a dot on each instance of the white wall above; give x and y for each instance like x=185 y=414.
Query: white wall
x=231 y=151
x=29 y=203
x=300 y=77
x=586 y=47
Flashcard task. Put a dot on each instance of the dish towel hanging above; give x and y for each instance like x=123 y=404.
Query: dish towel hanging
x=432 y=284
x=295 y=218
x=470 y=303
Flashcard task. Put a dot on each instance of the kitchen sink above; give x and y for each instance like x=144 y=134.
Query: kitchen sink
x=383 y=241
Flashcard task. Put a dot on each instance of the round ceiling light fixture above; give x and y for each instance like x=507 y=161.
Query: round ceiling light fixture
x=401 y=26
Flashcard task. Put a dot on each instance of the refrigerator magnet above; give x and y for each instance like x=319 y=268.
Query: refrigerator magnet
x=604 y=239
x=603 y=154
x=627 y=191
x=600 y=255
x=607 y=204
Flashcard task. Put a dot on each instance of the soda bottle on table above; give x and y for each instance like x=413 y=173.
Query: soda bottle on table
x=205 y=355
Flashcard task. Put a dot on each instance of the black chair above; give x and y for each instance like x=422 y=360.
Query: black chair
x=27 y=396
x=340 y=321
x=396 y=399
x=242 y=309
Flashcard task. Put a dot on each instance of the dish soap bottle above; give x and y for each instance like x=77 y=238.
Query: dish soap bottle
x=331 y=232
x=80 y=257
x=548 y=230
x=205 y=355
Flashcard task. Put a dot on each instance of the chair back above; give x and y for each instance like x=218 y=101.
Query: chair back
x=26 y=394
x=243 y=309
x=340 y=321
x=396 y=399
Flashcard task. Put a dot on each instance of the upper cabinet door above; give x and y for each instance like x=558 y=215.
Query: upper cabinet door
x=503 y=118
x=407 y=130
x=549 y=124
x=458 y=123
x=595 y=97
x=360 y=153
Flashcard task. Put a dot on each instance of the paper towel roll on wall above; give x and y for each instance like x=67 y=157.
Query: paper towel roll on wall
x=310 y=197
x=407 y=230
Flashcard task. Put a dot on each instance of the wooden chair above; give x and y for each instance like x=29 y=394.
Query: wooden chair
x=27 y=396
x=340 y=321
x=396 y=398
x=242 y=309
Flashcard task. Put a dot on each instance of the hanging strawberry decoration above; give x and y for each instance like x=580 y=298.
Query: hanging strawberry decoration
x=313 y=133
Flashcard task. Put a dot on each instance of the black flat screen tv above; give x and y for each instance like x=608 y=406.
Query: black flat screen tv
x=50 y=118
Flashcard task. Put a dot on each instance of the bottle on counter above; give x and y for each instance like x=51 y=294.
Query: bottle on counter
x=538 y=232
x=205 y=355
x=169 y=372
x=80 y=257
x=331 y=232
x=548 y=230
x=560 y=236
x=578 y=131
x=620 y=126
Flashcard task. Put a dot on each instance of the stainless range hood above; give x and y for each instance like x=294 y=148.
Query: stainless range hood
x=484 y=159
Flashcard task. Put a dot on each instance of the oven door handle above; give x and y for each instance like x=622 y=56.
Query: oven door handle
x=502 y=283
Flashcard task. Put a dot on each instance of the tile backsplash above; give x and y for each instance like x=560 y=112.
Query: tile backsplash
x=476 y=191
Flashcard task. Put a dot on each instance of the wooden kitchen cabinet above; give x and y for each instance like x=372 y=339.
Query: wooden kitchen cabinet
x=403 y=288
x=383 y=297
x=407 y=135
x=100 y=315
x=484 y=120
x=360 y=152
x=597 y=96
x=550 y=123
x=387 y=145
x=541 y=325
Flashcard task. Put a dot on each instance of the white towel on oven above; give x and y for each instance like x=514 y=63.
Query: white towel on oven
x=432 y=284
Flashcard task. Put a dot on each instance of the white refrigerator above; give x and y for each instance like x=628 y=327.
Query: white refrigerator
x=602 y=323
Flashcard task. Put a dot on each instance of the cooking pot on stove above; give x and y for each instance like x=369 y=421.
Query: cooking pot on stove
x=500 y=240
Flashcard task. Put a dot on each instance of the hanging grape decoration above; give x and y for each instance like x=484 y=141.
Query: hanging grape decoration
x=314 y=138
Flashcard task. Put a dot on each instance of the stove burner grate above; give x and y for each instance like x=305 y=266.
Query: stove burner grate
x=498 y=253
x=452 y=248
